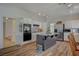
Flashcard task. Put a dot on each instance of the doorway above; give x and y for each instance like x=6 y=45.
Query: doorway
x=9 y=31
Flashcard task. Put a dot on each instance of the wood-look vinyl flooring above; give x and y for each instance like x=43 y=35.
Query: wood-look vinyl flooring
x=59 y=49
x=8 y=42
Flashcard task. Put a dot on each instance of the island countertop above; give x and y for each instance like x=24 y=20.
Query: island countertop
x=47 y=34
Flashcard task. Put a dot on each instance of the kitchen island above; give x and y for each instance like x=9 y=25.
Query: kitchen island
x=46 y=41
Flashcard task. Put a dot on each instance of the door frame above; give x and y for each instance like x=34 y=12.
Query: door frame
x=4 y=19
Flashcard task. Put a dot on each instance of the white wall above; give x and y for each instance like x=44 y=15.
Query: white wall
x=1 y=32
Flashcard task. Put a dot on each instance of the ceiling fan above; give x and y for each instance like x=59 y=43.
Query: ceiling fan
x=69 y=5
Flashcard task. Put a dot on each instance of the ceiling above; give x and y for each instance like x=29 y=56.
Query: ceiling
x=49 y=11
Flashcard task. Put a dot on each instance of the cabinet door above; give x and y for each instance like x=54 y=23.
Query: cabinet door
x=68 y=25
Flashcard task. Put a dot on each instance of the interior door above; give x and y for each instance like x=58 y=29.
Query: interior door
x=9 y=26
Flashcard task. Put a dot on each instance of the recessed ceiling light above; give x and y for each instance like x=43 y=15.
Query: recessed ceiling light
x=39 y=14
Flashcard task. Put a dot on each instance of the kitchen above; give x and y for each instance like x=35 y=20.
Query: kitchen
x=36 y=24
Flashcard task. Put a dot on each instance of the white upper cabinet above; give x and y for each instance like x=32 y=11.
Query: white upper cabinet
x=72 y=24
